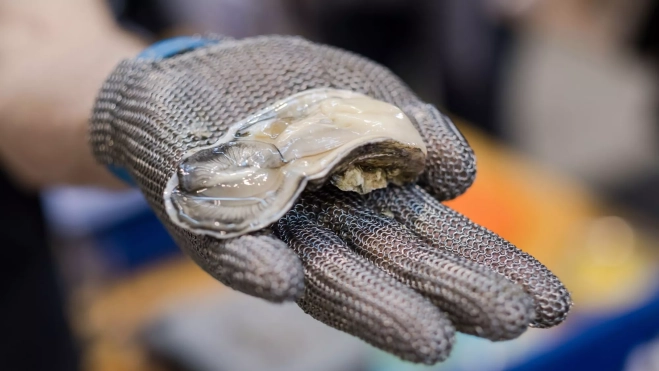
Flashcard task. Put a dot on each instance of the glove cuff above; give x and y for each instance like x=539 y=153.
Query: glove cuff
x=112 y=92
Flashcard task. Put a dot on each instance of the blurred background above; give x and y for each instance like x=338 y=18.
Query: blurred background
x=559 y=100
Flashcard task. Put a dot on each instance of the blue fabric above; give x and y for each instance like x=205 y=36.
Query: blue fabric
x=122 y=174
x=161 y=50
x=177 y=45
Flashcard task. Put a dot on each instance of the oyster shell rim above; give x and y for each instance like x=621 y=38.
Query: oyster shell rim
x=230 y=135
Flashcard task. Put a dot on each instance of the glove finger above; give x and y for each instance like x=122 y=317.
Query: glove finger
x=447 y=230
x=478 y=300
x=451 y=164
x=345 y=291
x=261 y=266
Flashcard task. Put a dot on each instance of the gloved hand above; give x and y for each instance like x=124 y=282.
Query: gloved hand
x=394 y=267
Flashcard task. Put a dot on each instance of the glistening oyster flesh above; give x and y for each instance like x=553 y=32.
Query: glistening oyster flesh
x=253 y=175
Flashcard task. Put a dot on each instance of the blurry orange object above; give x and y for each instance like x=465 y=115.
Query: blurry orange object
x=524 y=203
x=601 y=259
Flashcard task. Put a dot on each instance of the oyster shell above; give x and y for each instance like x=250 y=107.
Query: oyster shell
x=253 y=175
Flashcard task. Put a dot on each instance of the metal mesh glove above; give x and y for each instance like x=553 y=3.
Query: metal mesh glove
x=395 y=267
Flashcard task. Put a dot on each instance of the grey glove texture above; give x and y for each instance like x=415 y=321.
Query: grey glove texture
x=394 y=267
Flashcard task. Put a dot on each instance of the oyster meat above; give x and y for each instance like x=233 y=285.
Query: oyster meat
x=253 y=175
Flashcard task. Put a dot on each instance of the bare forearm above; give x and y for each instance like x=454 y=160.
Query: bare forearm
x=52 y=72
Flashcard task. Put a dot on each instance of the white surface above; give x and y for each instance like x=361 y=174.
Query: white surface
x=590 y=113
x=233 y=331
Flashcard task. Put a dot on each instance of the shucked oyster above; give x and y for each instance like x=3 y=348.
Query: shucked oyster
x=252 y=176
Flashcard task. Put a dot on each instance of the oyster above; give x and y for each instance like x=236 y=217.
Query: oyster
x=253 y=175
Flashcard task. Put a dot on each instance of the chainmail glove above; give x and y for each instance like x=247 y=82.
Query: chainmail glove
x=394 y=267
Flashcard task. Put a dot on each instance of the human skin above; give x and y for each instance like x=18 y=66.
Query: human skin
x=54 y=57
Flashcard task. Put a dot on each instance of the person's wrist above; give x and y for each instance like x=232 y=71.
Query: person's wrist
x=87 y=170
x=44 y=131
